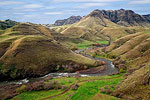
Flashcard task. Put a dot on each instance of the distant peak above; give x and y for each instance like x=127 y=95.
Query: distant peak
x=70 y=20
x=121 y=16
x=122 y=9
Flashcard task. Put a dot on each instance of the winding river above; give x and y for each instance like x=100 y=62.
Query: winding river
x=110 y=67
x=110 y=70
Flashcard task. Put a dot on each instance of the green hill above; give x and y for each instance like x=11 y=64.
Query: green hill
x=28 y=50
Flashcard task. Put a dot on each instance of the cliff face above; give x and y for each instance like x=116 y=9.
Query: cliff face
x=70 y=20
x=122 y=17
x=147 y=17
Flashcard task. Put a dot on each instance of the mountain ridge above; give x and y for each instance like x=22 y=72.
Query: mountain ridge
x=122 y=17
x=70 y=20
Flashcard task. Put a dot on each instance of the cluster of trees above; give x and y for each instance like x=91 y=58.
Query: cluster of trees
x=7 y=24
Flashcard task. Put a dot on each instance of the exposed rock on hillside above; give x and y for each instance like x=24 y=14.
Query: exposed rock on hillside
x=70 y=20
x=147 y=17
x=122 y=17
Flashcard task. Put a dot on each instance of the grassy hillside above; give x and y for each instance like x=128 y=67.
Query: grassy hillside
x=131 y=46
x=28 y=50
x=95 y=29
x=75 y=42
x=133 y=52
x=88 y=28
x=135 y=86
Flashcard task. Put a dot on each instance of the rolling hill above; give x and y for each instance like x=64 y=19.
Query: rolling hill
x=29 y=50
x=133 y=51
x=105 y=25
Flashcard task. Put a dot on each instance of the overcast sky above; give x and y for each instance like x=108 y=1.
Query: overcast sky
x=48 y=11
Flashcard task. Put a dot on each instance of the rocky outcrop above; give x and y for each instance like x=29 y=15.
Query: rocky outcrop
x=147 y=17
x=70 y=20
x=122 y=17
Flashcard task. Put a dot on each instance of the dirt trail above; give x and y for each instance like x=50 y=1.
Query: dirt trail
x=73 y=85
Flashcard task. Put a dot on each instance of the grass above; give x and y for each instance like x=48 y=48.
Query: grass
x=99 y=96
x=36 y=95
x=89 y=89
x=134 y=50
x=65 y=81
x=2 y=31
x=86 y=90
x=102 y=42
x=84 y=45
x=88 y=44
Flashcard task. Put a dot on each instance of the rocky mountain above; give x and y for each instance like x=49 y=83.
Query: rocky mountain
x=102 y=24
x=147 y=17
x=122 y=17
x=7 y=24
x=70 y=20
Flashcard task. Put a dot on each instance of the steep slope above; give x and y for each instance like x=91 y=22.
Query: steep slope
x=130 y=46
x=135 y=86
x=147 y=17
x=89 y=28
x=122 y=17
x=105 y=24
x=28 y=50
x=133 y=52
x=70 y=20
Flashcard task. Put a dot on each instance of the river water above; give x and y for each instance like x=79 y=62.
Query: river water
x=110 y=70
x=110 y=67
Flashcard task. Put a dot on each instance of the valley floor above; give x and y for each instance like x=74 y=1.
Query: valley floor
x=88 y=89
x=75 y=88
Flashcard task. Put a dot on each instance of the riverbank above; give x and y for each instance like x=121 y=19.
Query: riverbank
x=108 y=69
x=73 y=88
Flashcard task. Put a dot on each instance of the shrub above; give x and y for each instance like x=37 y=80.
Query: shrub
x=69 y=81
x=41 y=85
x=63 y=87
x=107 y=89
x=73 y=48
x=21 y=89
x=35 y=86
x=122 y=70
x=49 y=85
x=1 y=66
x=75 y=87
